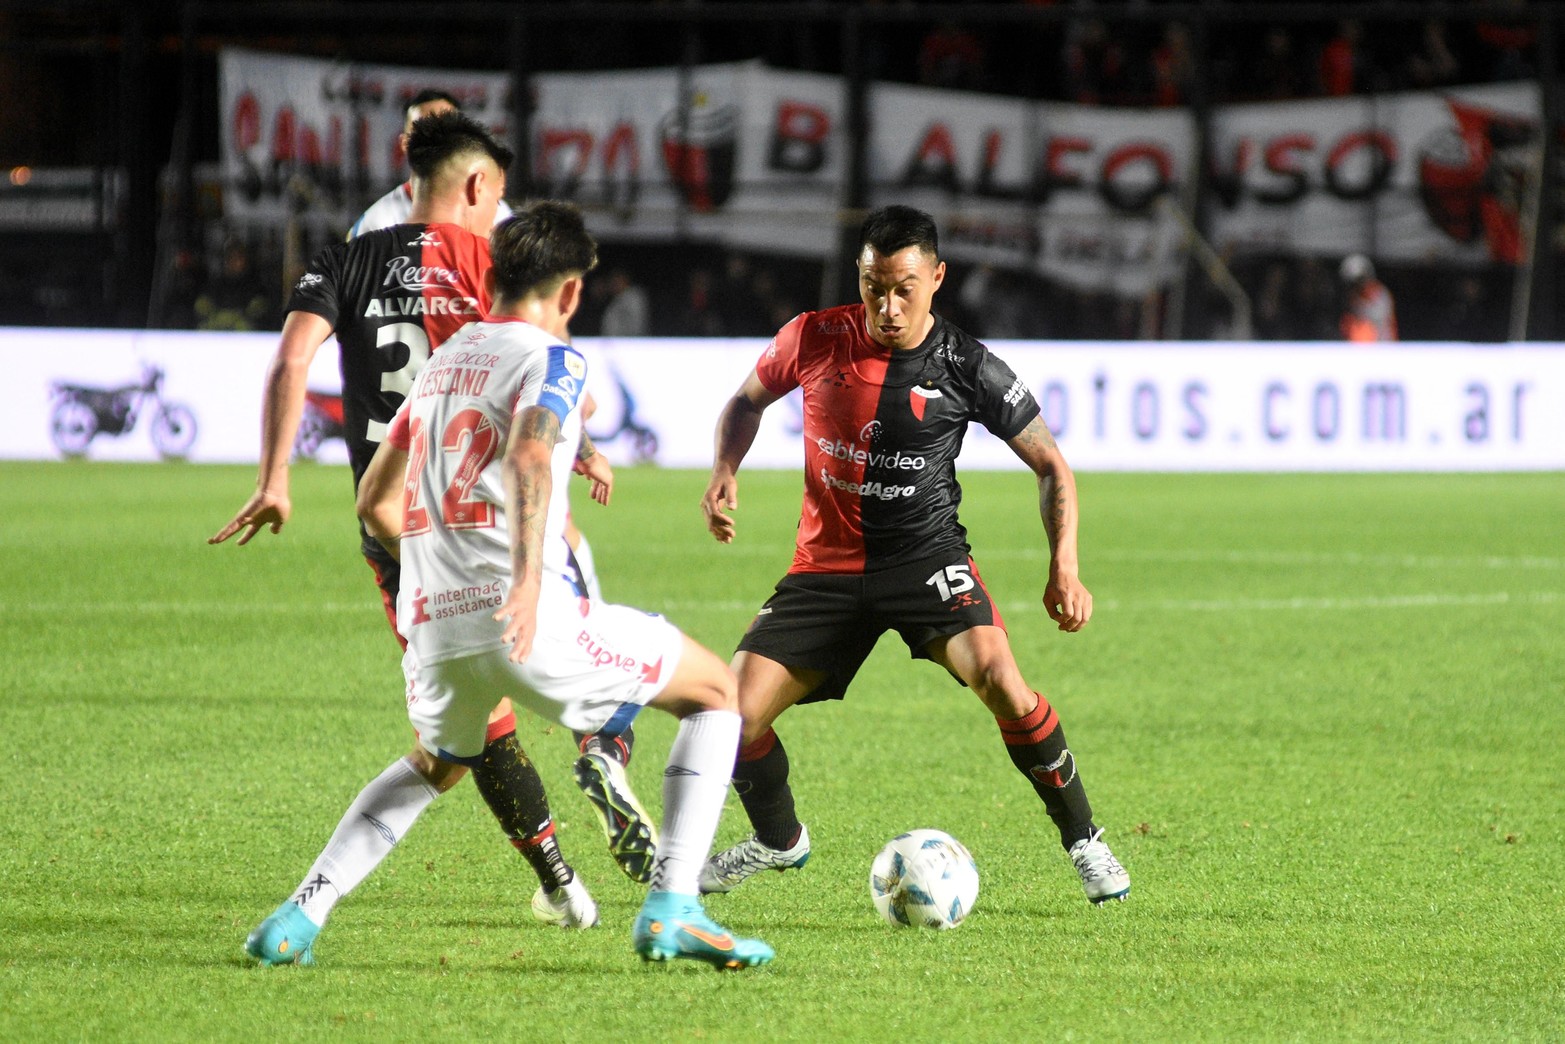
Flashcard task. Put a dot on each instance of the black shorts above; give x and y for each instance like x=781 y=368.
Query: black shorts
x=830 y=621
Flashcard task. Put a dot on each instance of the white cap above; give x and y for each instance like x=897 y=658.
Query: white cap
x=1355 y=267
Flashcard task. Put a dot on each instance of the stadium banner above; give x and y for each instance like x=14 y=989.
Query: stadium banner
x=322 y=138
x=740 y=154
x=752 y=157
x=1069 y=191
x=1132 y=406
x=1406 y=177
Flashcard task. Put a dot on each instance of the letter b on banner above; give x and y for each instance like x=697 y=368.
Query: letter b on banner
x=799 y=138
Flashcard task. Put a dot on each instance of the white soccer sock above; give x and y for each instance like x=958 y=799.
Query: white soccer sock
x=700 y=765
x=589 y=569
x=378 y=818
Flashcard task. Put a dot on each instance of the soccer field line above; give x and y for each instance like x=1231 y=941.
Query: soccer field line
x=1420 y=601
x=1162 y=605
x=1305 y=558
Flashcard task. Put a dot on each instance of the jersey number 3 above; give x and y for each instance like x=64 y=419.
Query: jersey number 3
x=473 y=439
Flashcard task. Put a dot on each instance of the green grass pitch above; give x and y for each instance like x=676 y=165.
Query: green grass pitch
x=1320 y=716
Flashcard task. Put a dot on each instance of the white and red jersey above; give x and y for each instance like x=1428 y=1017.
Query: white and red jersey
x=454 y=426
x=395 y=208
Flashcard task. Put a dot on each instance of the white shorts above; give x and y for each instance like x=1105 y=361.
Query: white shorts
x=590 y=673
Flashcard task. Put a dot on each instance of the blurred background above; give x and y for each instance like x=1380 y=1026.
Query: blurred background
x=1118 y=169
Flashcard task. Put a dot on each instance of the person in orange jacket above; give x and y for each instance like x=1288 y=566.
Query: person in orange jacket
x=1368 y=313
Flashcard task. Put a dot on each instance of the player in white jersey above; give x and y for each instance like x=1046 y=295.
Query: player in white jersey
x=396 y=206
x=491 y=601
x=393 y=209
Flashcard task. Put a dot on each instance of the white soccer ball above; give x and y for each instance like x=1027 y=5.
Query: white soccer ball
x=924 y=879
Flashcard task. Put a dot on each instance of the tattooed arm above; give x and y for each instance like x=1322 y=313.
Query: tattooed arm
x=590 y=463
x=1067 y=600
x=529 y=482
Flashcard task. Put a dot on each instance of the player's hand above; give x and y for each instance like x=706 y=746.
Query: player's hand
x=722 y=495
x=519 y=613
x=1067 y=600
x=600 y=473
x=264 y=509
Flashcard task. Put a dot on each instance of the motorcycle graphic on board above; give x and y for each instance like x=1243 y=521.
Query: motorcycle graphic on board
x=82 y=413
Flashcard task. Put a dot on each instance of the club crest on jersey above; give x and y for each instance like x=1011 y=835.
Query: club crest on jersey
x=918 y=398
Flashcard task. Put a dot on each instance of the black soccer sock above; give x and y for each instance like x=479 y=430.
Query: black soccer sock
x=514 y=793
x=616 y=747
x=1036 y=744
x=761 y=781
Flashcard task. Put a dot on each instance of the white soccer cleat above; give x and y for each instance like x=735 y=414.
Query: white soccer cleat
x=569 y=906
x=729 y=868
x=1101 y=875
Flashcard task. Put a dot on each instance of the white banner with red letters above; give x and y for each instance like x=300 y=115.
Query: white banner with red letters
x=756 y=158
x=150 y=395
x=1408 y=176
x=1065 y=190
x=322 y=137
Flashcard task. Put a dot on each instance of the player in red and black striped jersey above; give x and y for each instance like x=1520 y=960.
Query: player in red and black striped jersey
x=392 y=297
x=889 y=389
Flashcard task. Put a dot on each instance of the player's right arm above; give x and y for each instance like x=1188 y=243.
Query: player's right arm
x=380 y=500
x=736 y=428
x=773 y=377
x=282 y=406
x=528 y=475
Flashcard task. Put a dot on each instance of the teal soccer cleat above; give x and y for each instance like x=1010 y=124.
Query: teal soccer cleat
x=283 y=938
x=672 y=926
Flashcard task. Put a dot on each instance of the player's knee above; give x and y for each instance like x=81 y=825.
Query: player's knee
x=442 y=775
x=999 y=684
x=720 y=689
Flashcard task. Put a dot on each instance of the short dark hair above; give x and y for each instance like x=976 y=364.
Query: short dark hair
x=436 y=139
x=546 y=243
x=896 y=227
x=430 y=94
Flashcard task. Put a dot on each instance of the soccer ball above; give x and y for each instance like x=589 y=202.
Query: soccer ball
x=924 y=878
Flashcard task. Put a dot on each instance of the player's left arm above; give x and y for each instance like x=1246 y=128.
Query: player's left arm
x=380 y=497
x=529 y=482
x=1065 y=597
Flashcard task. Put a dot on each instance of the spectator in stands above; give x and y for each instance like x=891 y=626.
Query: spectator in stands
x=1173 y=67
x=1432 y=63
x=1368 y=313
x=236 y=298
x=1094 y=63
x=186 y=282
x=629 y=311
x=1467 y=316
x=1510 y=43
x=1275 y=75
x=951 y=56
x=1273 y=313
x=698 y=316
x=1342 y=61
x=743 y=310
